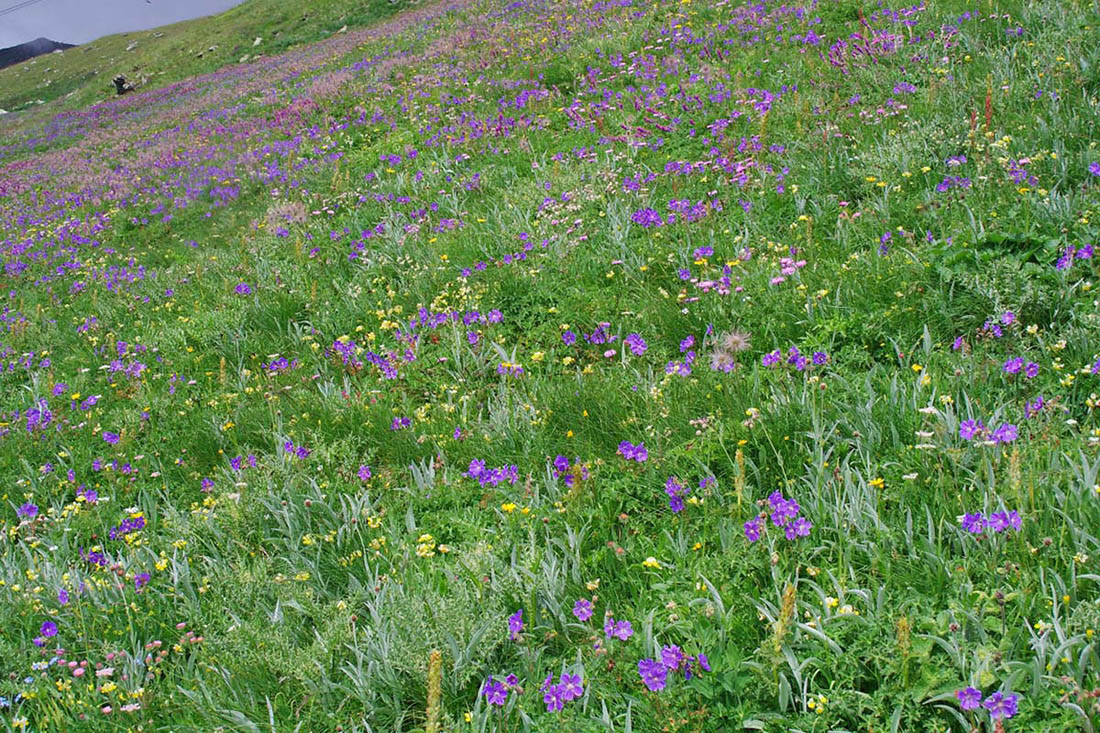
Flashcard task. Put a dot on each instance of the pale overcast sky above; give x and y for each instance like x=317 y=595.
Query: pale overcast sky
x=80 y=21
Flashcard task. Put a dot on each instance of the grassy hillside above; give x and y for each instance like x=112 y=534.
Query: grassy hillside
x=688 y=365
x=82 y=75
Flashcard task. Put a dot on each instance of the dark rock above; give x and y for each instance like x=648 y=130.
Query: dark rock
x=26 y=51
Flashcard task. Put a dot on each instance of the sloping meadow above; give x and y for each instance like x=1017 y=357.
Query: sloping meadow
x=594 y=366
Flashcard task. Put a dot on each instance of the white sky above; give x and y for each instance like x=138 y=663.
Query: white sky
x=79 y=21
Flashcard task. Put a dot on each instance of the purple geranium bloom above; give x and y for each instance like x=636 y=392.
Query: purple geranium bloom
x=970 y=429
x=969 y=698
x=636 y=343
x=582 y=609
x=752 y=529
x=243 y=289
x=1006 y=433
x=671 y=656
x=515 y=624
x=571 y=687
x=495 y=693
x=110 y=437
x=364 y=473
x=653 y=674
x=623 y=630
x=1001 y=705
x=1031 y=370
x=973 y=523
x=800 y=527
x=553 y=698
x=48 y=628
x=997 y=521
x=28 y=510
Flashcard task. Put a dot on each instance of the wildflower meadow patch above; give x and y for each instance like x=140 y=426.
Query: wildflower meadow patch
x=597 y=365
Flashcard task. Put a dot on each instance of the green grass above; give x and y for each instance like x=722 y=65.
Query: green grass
x=199 y=257
x=152 y=58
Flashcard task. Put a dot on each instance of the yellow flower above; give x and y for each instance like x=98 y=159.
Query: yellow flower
x=651 y=562
x=917 y=367
x=508 y=507
x=877 y=483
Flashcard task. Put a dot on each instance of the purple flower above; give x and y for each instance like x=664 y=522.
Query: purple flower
x=969 y=698
x=973 y=523
x=400 y=423
x=800 y=527
x=110 y=437
x=515 y=624
x=48 y=629
x=364 y=473
x=63 y=597
x=752 y=529
x=495 y=693
x=1031 y=370
x=970 y=429
x=243 y=289
x=671 y=656
x=1006 y=433
x=140 y=581
x=1014 y=365
x=571 y=687
x=632 y=452
x=28 y=510
x=569 y=338
x=582 y=609
x=820 y=357
x=1001 y=705
x=771 y=358
x=621 y=630
x=552 y=696
x=1094 y=168
x=653 y=674
x=636 y=343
